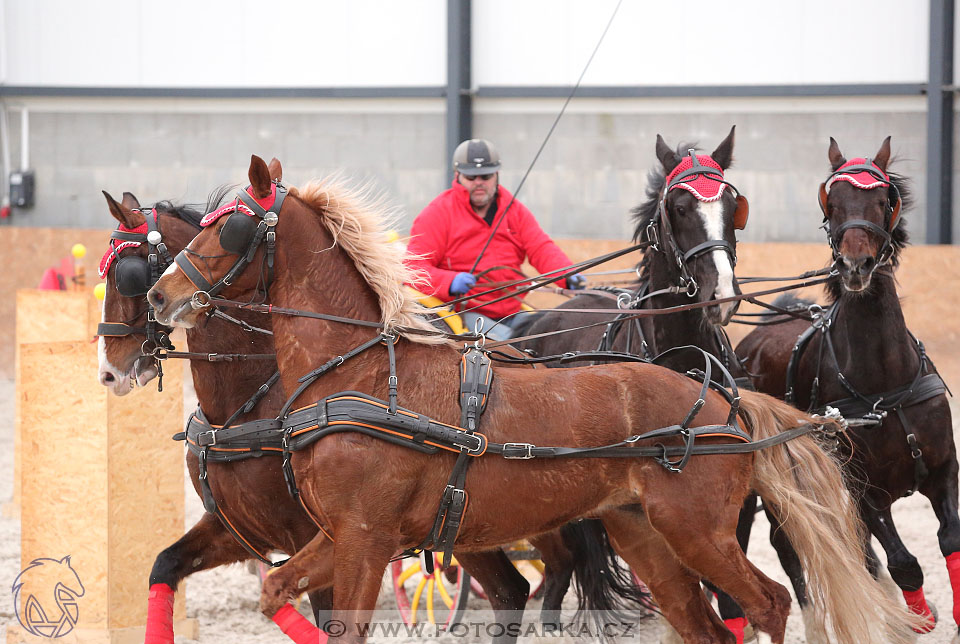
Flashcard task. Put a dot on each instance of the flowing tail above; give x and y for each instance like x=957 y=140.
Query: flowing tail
x=819 y=516
x=605 y=587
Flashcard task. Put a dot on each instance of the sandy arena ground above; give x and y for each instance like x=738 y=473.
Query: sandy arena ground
x=224 y=601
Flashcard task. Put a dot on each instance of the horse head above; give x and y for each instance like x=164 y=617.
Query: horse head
x=691 y=215
x=232 y=238
x=861 y=205
x=128 y=334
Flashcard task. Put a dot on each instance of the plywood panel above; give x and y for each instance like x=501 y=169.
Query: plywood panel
x=64 y=474
x=45 y=316
x=102 y=481
x=145 y=489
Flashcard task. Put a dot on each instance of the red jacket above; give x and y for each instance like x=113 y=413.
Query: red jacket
x=449 y=235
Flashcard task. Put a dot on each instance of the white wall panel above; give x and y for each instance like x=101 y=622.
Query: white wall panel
x=700 y=42
x=217 y=43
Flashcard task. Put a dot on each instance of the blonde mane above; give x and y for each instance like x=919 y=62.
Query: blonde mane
x=358 y=220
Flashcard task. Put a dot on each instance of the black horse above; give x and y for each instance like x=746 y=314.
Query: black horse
x=692 y=259
x=859 y=357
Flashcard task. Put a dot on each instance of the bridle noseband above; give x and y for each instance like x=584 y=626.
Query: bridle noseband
x=239 y=237
x=134 y=276
x=666 y=242
x=892 y=210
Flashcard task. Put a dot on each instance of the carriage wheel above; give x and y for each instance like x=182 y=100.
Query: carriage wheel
x=526 y=559
x=438 y=598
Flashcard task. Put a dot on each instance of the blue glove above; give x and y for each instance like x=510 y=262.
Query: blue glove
x=576 y=282
x=462 y=282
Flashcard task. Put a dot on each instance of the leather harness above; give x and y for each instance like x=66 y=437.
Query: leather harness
x=870 y=407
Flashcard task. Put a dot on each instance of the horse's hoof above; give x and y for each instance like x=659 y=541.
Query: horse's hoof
x=931 y=623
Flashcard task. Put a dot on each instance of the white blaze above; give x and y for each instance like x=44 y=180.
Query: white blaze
x=712 y=213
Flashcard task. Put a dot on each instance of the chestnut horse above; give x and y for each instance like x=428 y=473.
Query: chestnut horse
x=329 y=255
x=250 y=493
x=695 y=221
x=860 y=357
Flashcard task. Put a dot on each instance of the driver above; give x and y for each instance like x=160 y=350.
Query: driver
x=449 y=234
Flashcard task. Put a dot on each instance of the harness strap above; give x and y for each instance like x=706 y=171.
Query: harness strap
x=118 y=329
x=210 y=505
x=872 y=407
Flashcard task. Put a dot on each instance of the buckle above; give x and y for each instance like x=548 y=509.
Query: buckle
x=525 y=448
x=392 y=382
x=481 y=446
x=206 y=438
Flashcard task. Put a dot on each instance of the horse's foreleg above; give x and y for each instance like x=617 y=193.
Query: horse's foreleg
x=206 y=545
x=676 y=588
x=309 y=570
x=558 y=568
x=941 y=488
x=360 y=559
x=903 y=566
x=506 y=589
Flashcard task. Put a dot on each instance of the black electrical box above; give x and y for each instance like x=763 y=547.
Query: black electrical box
x=21 y=188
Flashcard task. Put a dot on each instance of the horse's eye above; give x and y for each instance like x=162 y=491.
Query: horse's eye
x=680 y=210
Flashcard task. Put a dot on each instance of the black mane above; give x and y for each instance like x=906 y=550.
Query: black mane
x=643 y=214
x=193 y=213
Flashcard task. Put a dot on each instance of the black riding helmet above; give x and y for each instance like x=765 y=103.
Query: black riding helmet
x=476 y=156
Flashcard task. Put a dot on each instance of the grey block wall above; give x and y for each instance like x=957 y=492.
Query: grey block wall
x=595 y=168
x=183 y=157
x=592 y=172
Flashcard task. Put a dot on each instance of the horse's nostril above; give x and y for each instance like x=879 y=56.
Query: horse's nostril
x=108 y=378
x=156 y=298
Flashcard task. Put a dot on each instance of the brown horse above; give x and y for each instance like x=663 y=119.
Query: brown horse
x=251 y=493
x=861 y=358
x=330 y=256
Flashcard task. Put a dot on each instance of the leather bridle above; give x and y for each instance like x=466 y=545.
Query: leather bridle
x=892 y=212
x=659 y=231
x=157 y=337
x=246 y=205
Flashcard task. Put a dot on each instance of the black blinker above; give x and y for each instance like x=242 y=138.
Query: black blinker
x=237 y=233
x=132 y=276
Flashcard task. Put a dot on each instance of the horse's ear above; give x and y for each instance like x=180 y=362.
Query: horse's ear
x=259 y=176
x=723 y=155
x=836 y=157
x=276 y=170
x=667 y=156
x=127 y=216
x=882 y=158
x=130 y=201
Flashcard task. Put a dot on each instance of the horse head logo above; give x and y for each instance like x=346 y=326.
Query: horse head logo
x=45 y=597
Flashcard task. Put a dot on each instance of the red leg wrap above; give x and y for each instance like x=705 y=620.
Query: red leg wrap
x=297 y=627
x=159 y=615
x=918 y=604
x=736 y=626
x=953 y=569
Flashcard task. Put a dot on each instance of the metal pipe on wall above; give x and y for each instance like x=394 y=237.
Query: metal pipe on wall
x=24 y=138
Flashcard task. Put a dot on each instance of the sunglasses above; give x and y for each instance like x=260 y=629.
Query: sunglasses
x=479 y=177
